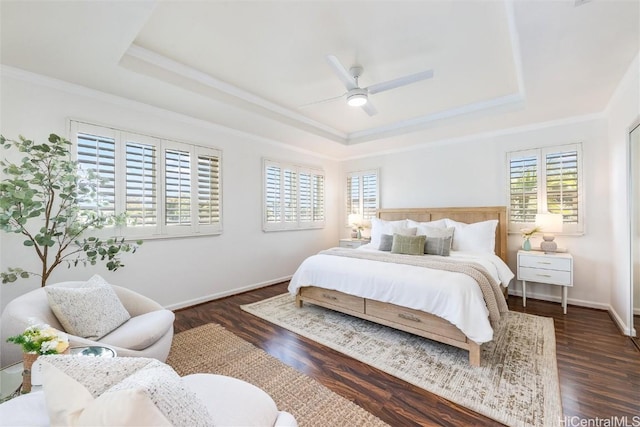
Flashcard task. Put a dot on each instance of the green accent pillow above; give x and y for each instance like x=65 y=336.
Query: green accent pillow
x=409 y=245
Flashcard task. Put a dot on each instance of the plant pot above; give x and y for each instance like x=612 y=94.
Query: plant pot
x=526 y=245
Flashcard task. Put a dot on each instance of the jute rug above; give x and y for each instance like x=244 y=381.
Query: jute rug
x=517 y=383
x=212 y=349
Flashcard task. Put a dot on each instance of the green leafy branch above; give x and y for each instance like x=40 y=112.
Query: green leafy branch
x=42 y=198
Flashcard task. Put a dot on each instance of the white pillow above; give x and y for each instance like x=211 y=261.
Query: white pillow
x=439 y=223
x=381 y=226
x=476 y=237
x=122 y=391
x=91 y=310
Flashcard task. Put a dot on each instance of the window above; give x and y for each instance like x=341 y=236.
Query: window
x=362 y=196
x=293 y=197
x=165 y=187
x=546 y=180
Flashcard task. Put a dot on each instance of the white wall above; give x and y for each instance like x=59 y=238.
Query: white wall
x=622 y=111
x=472 y=172
x=174 y=272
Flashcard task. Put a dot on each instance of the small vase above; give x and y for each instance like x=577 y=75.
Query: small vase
x=526 y=245
x=28 y=359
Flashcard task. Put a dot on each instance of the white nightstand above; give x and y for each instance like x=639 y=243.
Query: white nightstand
x=353 y=243
x=553 y=269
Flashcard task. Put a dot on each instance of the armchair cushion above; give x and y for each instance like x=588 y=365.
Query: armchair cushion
x=118 y=391
x=141 y=331
x=91 y=310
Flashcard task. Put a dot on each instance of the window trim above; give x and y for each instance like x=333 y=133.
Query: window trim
x=577 y=229
x=160 y=230
x=283 y=225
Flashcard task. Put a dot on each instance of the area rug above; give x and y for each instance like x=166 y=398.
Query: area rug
x=212 y=349
x=517 y=383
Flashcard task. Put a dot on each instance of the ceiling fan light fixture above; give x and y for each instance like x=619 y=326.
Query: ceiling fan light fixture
x=357 y=99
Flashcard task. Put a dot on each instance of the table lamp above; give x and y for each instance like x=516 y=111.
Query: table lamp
x=355 y=220
x=549 y=223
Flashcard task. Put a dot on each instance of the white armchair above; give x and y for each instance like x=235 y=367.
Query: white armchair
x=154 y=397
x=148 y=333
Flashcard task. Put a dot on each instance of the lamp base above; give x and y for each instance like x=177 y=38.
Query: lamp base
x=548 y=245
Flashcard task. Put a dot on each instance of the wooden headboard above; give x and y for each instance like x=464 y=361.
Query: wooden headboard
x=466 y=215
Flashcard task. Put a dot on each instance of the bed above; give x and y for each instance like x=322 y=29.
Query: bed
x=391 y=293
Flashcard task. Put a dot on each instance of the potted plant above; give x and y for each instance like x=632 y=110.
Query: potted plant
x=35 y=341
x=40 y=198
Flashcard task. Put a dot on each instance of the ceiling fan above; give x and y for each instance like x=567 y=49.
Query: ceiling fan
x=359 y=97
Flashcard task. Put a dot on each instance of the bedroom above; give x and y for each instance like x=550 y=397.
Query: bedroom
x=40 y=91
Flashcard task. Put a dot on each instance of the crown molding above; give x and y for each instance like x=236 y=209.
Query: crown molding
x=190 y=73
x=75 y=89
x=484 y=135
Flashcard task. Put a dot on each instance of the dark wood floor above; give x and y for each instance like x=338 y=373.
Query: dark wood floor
x=599 y=368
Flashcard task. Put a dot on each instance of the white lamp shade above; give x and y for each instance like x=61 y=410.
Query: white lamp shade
x=549 y=223
x=355 y=219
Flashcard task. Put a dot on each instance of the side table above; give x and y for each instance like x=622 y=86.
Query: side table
x=552 y=269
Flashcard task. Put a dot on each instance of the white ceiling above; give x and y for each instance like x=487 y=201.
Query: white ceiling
x=250 y=65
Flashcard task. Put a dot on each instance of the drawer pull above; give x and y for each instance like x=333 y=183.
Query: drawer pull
x=543 y=275
x=409 y=317
x=544 y=262
x=331 y=297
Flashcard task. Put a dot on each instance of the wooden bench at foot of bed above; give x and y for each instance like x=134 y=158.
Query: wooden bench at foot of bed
x=405 y=319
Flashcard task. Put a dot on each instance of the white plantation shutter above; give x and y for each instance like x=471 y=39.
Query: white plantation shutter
x=141 y=184
x=523 y=190
x=165 y=187
x=306 y=197
x=562 y=185
x=369 y=195
x=362 y=194
x=293 y=197
x=273 y=207
x=290 y=200
x=177 y=187
x=208 y=190
x=318 y=198
x=546 y=180
x=96 y=156
x=353 y=195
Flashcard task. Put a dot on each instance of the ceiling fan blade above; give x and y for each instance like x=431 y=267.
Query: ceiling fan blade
x=322 y=101
x=343 y=74
x=400 y=81
x=369 y=108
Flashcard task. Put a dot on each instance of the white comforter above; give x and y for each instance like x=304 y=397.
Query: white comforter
x=455 y=297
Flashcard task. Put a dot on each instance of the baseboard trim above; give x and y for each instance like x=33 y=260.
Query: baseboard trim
x=617 y=320
x=211 y=297
x=553 y=298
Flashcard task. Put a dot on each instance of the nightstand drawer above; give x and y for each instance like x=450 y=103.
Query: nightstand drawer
x=352 y=243
x=544 y=276
x=545 y=262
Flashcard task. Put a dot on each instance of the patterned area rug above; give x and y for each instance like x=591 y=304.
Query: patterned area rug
x=213 y=349
x=517 y=383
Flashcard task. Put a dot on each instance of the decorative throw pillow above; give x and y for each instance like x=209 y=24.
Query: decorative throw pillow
x=438 y=239
x=438 y=246
x=123 y=391
x=476 y=237
x=409 y=245
x=91 y=310
x=386 y=241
